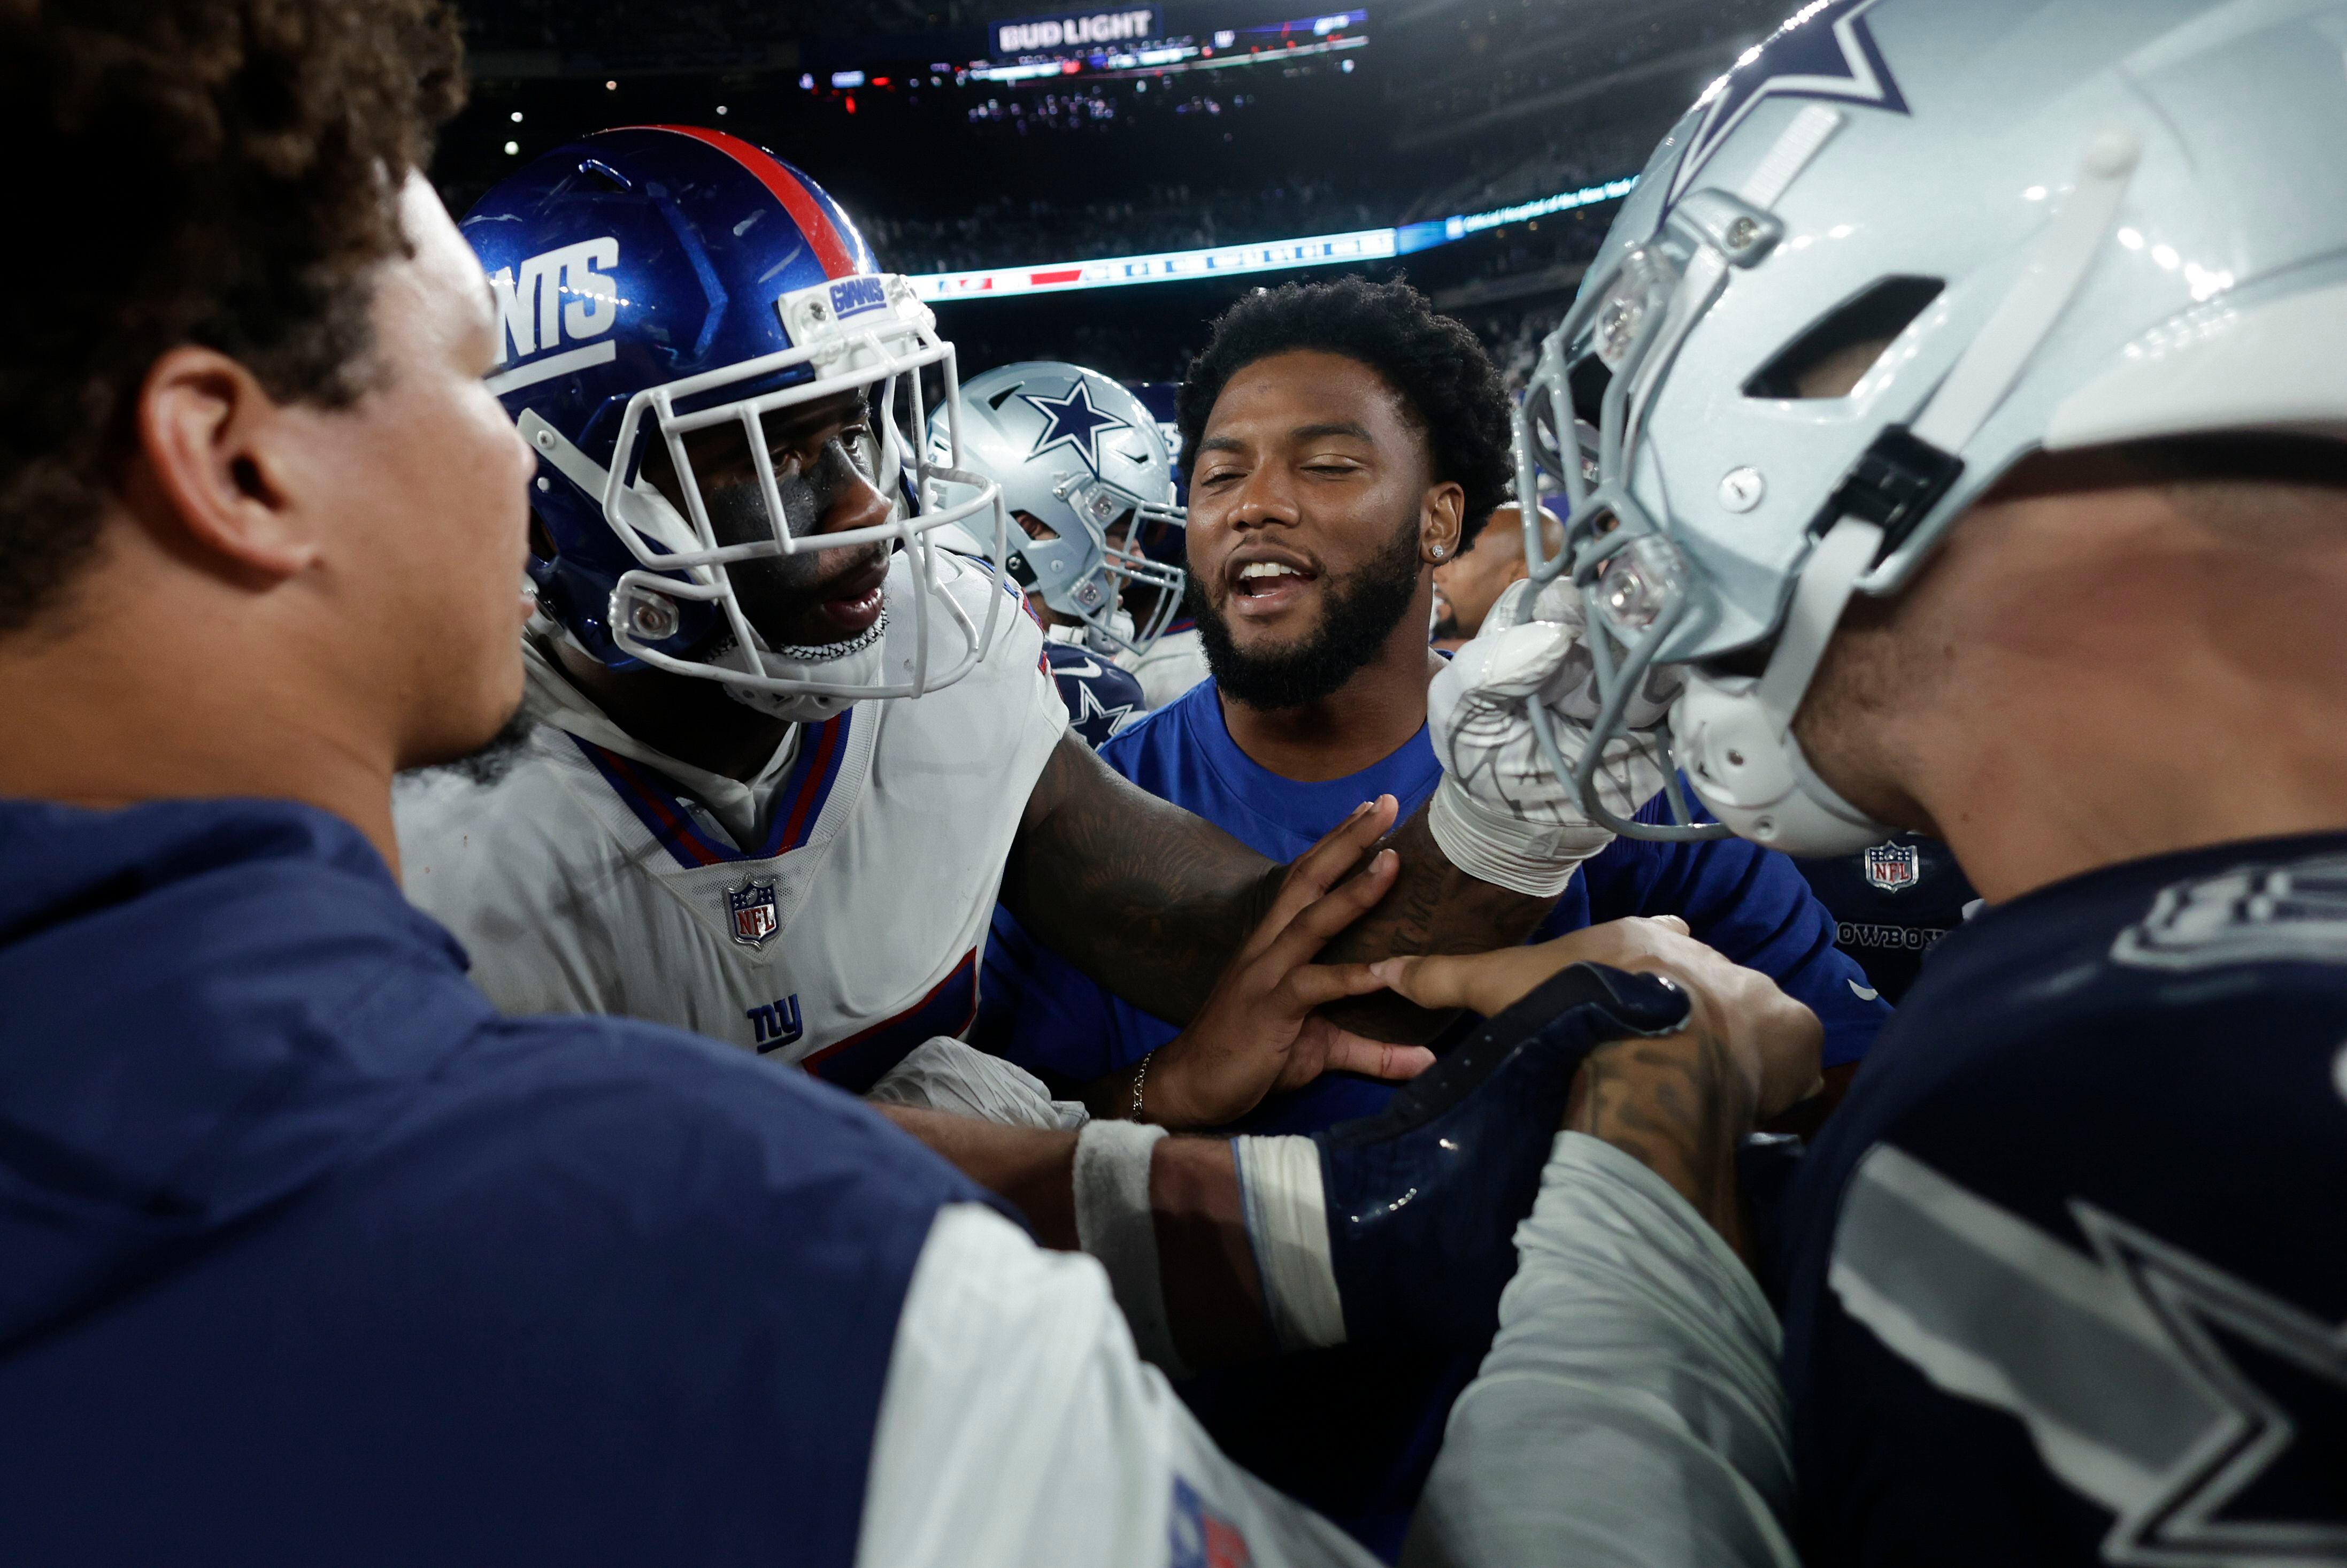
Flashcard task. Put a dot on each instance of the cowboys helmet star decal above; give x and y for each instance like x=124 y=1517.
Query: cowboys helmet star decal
x=1824 y=50
x=1073 y=423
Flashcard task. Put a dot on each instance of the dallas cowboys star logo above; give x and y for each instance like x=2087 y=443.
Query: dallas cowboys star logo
x=2298 y=1392
x=1072 y=422
x=1824 y=50
x=1095 y=717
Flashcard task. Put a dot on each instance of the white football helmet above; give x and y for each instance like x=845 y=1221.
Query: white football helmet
x=2076 y=221
x=1080 y=455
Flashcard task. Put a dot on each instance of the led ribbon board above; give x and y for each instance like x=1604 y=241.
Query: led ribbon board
x=1236 y=261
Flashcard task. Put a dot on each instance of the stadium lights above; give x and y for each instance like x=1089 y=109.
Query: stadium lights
x=1265 y=256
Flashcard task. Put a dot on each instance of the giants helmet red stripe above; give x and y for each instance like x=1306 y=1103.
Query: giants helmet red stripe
x=831 y=248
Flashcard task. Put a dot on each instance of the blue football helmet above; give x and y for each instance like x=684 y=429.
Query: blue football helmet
x=1081 y=458
x=658 y=281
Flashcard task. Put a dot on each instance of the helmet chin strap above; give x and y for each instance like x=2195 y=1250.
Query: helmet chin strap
x=1736 y=733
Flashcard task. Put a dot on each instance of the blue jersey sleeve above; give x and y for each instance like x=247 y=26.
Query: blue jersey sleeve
x=2061 y=1284
x=1754 y=906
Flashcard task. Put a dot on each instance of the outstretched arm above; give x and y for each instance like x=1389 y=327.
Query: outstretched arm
x=1636 y=1358
x=1154 y=903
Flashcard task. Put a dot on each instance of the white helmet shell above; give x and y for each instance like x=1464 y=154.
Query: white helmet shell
x=2074 y=221
x=1081 y=456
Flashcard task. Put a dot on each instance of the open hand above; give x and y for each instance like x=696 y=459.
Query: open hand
x=1256 y=1032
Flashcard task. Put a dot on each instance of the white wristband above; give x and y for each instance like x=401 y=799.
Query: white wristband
x=1116 y=1225
x=1287 y=1211
x=1534 y=858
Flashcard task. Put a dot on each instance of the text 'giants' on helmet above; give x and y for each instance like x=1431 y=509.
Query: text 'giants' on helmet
x=1901 y=247
x=675 y=304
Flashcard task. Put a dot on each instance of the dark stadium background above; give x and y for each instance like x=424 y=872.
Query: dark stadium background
x=1449 y=107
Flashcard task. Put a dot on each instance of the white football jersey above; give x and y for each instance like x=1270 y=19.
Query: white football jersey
x=838 y=923
x=1174 y=662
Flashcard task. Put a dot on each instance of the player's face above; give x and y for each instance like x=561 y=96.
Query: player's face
x=427 y=483
x=1471 y=581
x=1307 y=474
x=826 y=459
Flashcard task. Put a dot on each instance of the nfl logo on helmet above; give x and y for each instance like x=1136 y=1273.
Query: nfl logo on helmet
x=751 y=907
x=1890 y=867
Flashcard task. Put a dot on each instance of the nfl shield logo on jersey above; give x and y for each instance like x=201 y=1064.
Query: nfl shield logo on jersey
x=752 y=906
x=1890 y=866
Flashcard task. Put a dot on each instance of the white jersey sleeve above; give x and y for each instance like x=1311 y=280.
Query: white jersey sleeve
x=1629 y=1414
x=1017 y=1427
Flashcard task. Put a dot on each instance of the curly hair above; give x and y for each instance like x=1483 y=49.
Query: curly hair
x=219 y=172
x=1449 y=386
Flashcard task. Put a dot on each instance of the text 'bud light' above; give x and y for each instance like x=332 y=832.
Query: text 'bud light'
x=1028 y=35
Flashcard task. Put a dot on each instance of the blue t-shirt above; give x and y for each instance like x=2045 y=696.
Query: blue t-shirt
x=1752 y=904
x=1352 y=1431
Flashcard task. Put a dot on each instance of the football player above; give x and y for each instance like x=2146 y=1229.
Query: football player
x=1176 y=662
x=1470 y=581
x=1317 y=418
x=1971 y=385
x=312 y=1257
x=725 y=813
x=1084 y=476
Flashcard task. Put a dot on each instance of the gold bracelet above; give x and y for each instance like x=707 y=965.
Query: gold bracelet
x=1140 y=1078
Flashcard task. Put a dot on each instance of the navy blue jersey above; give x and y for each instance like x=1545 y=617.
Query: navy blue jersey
x=1099 y=696
x=2064 y=1278
x=311 y=1257
x=1350 y=1431
x=1890 y=903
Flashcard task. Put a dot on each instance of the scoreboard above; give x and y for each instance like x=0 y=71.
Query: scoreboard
x=1109 y=42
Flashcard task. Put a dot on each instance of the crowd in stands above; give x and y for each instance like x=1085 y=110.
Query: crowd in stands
x=1507 y=61
x=1002 y=233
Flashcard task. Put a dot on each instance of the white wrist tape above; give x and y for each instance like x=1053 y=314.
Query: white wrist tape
x=946 y=1074
x=1116 y=1225
x=1286 y=1213
x=1534 y=858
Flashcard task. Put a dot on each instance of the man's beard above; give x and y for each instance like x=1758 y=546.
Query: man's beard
x=494 y=760
x=1357 y=617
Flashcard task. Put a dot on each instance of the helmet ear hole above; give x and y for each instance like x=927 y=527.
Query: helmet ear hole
x=1588 y=379
x=1872 y=317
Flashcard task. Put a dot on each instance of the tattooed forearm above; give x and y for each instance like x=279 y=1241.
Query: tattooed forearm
x=1152 y=902
x=1434 y=908
x=1678 y=1106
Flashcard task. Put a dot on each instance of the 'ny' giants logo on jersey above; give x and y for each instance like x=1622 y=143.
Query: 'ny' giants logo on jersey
x=776 y=1024
x=567 y=292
